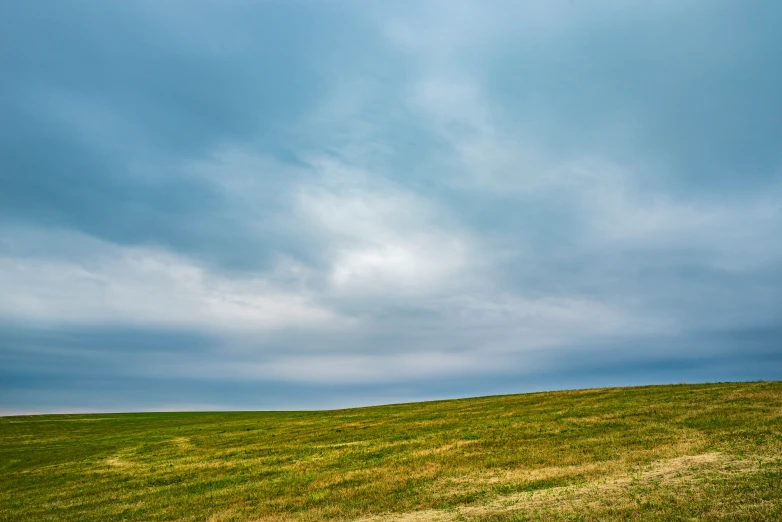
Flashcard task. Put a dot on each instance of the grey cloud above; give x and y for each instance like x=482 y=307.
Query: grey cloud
x=75 y=381
x=121 y=96
x=279 y=206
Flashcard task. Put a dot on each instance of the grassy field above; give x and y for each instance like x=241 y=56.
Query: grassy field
x=684 y=452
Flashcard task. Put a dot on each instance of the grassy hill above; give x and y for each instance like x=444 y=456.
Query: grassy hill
x=685 y=452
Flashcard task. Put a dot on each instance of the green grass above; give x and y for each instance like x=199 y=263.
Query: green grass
x=685 y=452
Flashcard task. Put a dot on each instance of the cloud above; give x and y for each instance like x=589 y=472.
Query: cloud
x=728 y=232
x=606 y=201
x=115 y=285
x=390 y=200
x=382 y=239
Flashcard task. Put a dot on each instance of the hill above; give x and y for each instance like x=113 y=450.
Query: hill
x=684 y=452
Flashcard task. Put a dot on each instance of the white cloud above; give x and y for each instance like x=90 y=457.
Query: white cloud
x=469 y=335
x=732 y=232
x=370 y=368
x=611 y=202
x=548 y=321
x=382 y=239
x=110 y=284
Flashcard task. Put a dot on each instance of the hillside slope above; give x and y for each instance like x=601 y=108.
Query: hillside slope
x=684 y=452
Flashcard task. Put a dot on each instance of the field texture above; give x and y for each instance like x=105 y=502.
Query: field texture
x=686 y=452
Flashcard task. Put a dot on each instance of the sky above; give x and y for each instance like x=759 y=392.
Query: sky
x=304 y=205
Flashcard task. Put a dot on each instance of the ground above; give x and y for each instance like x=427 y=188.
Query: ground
x=683 y=452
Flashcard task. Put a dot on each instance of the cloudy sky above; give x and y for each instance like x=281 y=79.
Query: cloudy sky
x=273 y=204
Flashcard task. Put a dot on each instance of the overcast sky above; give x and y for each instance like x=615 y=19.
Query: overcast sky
x=274 y=204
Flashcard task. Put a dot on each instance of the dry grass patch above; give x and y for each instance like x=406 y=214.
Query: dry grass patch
x=611 y=491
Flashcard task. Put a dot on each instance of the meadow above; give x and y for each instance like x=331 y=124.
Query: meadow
x=679 y=452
